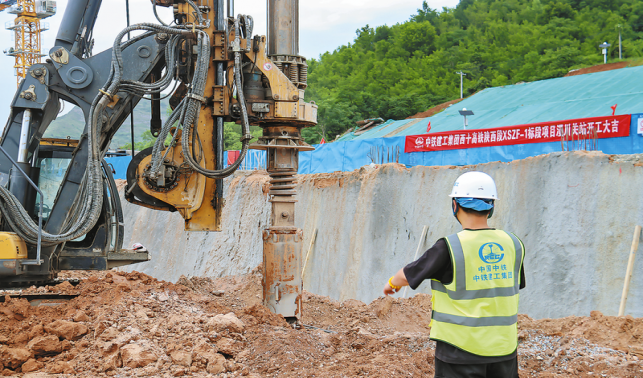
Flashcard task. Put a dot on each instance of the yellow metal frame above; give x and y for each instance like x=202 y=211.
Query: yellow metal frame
x=194 y=195
x=27 y=35
x=12 y=246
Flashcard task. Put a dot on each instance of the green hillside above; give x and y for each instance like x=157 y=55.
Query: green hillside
x=396 y=71
x=73 y=123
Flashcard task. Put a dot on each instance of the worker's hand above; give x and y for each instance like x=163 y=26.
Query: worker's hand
x=388 y=290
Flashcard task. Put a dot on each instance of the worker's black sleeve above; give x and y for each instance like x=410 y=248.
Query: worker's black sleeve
x=436 y=264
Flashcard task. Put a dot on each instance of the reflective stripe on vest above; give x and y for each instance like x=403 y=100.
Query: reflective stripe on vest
x=474 y=315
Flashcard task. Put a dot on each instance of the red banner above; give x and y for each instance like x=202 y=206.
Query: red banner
x=233 y=156
x=582 y=128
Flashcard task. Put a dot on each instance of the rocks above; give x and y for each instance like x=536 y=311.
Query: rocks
x=228 y=322
x=182 y=358
x=67 y=330
x=383 y=306
x=37 y=330
x=216 y=366
x=43 y=345
x=17 y=309
x=14 y=357
x=137 y=355
x=80 y=316
x=59 y=367
x=263 y=315
x=112 y=361
x=354 y=304
x=31 y=365
x=229 y=346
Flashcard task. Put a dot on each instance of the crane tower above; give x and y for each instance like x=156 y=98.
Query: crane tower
x=27 y=28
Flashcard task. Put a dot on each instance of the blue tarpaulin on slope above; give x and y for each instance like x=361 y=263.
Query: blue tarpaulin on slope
x=351 y=155
x=581 y=96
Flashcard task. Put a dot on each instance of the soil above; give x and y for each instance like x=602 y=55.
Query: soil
x=435 y=110
x=598 y=68
x=132 y=325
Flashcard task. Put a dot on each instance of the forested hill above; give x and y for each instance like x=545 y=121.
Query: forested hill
x=397 y=71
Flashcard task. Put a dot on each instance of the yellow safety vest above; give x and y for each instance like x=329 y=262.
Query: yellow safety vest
x=478 y=311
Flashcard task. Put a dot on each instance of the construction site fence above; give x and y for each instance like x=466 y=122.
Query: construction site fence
x=351 y=155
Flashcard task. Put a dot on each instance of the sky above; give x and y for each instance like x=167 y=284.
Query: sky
x=324 y=25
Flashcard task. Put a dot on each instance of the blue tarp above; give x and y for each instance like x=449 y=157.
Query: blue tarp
x=580 y=96
x=119 y=164
x=351 y=155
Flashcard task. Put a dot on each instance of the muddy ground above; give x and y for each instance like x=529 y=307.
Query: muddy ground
x=132 y=325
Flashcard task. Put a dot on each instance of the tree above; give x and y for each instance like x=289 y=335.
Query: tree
x=395 y=71
x=147 y=140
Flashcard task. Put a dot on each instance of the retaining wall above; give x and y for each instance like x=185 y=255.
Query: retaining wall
x=574 y=212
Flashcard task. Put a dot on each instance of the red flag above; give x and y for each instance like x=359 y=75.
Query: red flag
x=428 y=127
x=614 y=108
x=322 y=141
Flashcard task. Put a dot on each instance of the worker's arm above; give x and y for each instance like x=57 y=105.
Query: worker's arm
x=399 y=279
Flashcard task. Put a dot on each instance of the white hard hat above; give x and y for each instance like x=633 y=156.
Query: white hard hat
x=474 y=185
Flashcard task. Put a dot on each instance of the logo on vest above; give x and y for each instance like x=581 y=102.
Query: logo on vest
x=491 y=253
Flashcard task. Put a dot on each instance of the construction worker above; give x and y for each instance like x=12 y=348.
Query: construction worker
x=475 y=277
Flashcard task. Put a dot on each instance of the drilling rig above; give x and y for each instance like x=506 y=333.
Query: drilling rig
x=219 y=72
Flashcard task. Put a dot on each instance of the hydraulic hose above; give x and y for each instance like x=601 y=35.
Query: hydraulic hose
x=89 y=200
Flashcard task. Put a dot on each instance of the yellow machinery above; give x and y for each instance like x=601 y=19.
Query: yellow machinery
x=221 y=73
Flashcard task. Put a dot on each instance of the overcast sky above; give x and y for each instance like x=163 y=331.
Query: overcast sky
x=324 y=26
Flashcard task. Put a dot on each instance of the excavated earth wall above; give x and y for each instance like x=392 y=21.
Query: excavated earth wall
x=575 y=213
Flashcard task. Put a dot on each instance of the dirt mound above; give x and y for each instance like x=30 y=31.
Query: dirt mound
x=130 y=324
x=598 y=68
x=435 y=110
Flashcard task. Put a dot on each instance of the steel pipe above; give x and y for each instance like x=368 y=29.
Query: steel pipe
x=283 y=27
x=24 y=136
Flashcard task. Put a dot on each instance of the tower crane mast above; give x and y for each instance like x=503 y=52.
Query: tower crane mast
x=27 y=29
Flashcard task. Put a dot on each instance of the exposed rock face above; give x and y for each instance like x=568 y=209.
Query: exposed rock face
x=369 y=222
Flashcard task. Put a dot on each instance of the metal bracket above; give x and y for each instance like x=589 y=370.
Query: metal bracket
x=220 y=101
x=29 y=94
x=219 y=46
x=40 y=74
x=60 y=55
x=197 y=97
x=75 y=73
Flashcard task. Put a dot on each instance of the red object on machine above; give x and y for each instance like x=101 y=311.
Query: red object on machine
x=605 y=127
x=233 y=156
